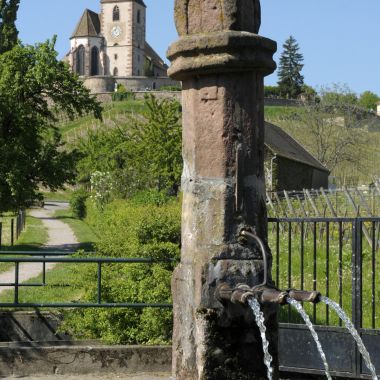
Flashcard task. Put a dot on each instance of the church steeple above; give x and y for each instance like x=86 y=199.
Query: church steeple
x=123 y=26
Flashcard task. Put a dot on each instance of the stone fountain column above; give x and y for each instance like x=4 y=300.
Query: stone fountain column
x=222 y=62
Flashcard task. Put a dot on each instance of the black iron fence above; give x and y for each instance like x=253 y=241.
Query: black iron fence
x=340 y=258
x=44 y=258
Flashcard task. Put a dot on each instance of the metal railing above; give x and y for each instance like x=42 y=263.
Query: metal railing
x=56 y=257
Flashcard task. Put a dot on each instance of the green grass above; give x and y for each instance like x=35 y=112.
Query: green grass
x=111 y=111
x=276 y=112
x=64 y=284
x=32 y=238
x=59 y=196
x=65 y=281
x=83 y=232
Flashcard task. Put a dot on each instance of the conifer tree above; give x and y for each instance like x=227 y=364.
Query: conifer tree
x=289 y=74
x=8 y=30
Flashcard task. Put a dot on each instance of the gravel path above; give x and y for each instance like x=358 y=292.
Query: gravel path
x=61 y=237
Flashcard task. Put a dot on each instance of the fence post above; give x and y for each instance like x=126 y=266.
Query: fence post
x=357 y=287
x=17 y=225
x=12 y=232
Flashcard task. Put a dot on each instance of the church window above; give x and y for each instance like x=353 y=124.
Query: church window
x=116 y=57
x=80 y=60
x=115 y=72
x=94 y=61
x=116 y=13
x=138 y=16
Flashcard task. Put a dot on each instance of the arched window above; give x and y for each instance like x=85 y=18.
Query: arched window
x=115 y=72
x=116 y=13
x=94 y=61
x=138 y=16
x=80 y=58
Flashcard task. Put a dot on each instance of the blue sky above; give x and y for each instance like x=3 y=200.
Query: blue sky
x=339 y=38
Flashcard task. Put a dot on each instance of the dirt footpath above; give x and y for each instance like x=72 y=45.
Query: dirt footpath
x=61 y=237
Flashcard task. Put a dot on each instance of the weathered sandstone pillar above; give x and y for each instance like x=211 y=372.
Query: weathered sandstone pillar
x=222 y=62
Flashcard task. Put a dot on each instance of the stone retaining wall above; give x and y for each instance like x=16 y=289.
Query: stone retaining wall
x=69 y=359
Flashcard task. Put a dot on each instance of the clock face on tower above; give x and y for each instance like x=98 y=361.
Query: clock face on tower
x=116 y=31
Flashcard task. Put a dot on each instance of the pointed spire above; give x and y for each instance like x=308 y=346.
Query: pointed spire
x=88 y=26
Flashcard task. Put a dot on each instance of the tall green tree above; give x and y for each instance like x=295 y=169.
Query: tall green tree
x=290 y=78
x=34 y=88
x=8 y=30
x=368 y=100
x=140 y=153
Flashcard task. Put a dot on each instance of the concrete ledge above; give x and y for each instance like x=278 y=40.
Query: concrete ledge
x=33 y=360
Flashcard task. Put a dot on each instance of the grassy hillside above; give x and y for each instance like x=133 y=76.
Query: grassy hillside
x=113 y=112
x=359 y=171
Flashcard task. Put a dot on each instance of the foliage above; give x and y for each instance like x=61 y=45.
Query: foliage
x=34 y=87
x=155 y=146
x=368 y=100
x=308 y=93
x=78 y=203
x=334 y=129
x=8 y=30
x=289 y=74
x=171 y=88
x=148 y=69
x=131 y=229
x=122 y=94
x=140 y=152
x=272 y=92
x=101 y=188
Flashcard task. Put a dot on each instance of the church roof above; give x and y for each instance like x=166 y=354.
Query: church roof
x=283 y=145
x=154 y=57
x=88 y=26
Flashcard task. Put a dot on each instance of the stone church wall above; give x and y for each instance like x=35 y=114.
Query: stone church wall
x=104 y=84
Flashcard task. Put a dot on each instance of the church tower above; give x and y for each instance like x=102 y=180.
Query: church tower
x=123 y=26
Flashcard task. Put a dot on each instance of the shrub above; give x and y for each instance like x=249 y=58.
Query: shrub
x=131 y=229
x=122 y=94
x=171 y=88
x=78 y=203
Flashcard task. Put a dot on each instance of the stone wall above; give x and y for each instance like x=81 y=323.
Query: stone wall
x=104 y=84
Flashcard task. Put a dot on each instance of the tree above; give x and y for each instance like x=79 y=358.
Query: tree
x=290 y=77
x=308 y=93
x=8 y=30
x=334 y=130
x=368 y=100
x=155 y=145
x=34 y=88
x=140 y=153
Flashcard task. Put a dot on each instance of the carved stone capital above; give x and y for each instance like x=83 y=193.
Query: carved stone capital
x=218 y=52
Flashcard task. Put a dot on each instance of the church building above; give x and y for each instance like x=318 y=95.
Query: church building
x=113 y=44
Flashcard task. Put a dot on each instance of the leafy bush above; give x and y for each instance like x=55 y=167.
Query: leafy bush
x=122 y=94
x=271 y=92
x=170 y=88
x=138 y=152
x=78 y=203
x=131 y=229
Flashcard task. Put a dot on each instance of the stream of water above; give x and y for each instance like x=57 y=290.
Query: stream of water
x=350 y=327
x=307 y=320
x=259 y=316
